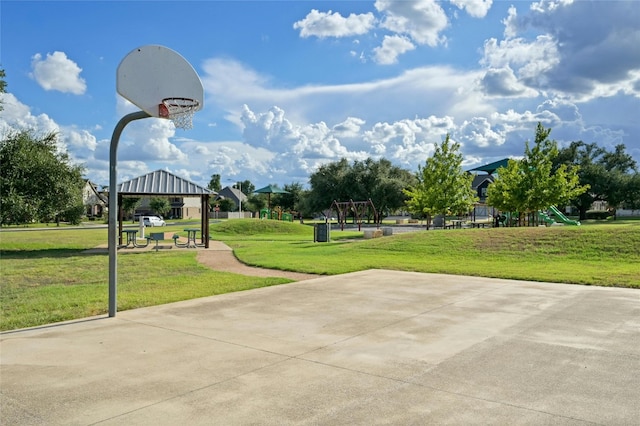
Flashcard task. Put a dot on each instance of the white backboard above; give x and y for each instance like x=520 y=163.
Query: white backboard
x=149 y=74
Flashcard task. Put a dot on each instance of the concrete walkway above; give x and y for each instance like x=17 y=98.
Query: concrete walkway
x=375 y=347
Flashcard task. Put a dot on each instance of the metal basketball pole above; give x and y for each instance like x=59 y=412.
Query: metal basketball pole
x=113 y=208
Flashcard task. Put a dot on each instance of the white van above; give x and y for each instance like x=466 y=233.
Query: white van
x=153 y=221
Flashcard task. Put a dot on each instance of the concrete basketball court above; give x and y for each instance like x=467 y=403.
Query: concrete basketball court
x=373 y=347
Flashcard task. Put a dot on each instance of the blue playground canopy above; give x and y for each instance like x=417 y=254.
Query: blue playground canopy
x=491 y=167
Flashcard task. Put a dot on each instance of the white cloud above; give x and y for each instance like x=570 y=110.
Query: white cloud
x=348 y=128
x=503 y=83
x=435 y=90
x=475 y=8
x=531 y=62
x=421 y=20
x=16 y=115
x=57 y=72
x=478 y=131
x=510 y=23
x=583 y=50
x=81 y=143
x=149 y=140
x=330 y=24
x=392 y=47
x=549 y=5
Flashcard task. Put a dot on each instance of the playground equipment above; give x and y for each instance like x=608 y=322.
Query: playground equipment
x=516 y=219
x=360 y=210
x=545 y=218
x=276 y=214
x=562 y=218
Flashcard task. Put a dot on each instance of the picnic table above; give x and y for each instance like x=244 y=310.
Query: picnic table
x=131 y=237
x=457 y=223
x=479 y=224
x=191 y=237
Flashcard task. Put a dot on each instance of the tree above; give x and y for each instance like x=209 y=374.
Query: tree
x=247 y=187
x=379 y=181
x=214 y=183
x=3 y=86
x=543 y=186
x=606 y=173
x=129 y=205
x=531 y=184
x=328 y=184
x=443 y=187
x=632 y=192
x=227 y=205
x=160 y=205
x=507 y=192
x=291 y=200
x=37 y=179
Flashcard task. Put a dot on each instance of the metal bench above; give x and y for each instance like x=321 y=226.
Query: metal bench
x=157 y=237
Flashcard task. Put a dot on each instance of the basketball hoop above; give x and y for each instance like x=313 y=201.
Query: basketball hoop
x=179 y=110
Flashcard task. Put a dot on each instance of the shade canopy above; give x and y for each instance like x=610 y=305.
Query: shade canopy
x=491 y=167
x=270 y=189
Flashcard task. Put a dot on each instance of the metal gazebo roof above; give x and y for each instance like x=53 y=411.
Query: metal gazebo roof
x=161 y=182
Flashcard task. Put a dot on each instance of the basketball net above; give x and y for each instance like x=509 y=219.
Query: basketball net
x=179 y=110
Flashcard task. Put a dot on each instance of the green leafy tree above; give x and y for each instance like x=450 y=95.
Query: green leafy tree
x=247 y=187
x=632 y=192
x=129 y=206
x=74 y=214
x=214 y=183
x=380 y=181
x=606 y=173
x=38 y=181
x=507 y=193
x=291 y=200
x=160 y=205
x=328 y=184
x=254 y=203
x=443 y=187
x=543 y=186
x=227 y=205
x=532 y=184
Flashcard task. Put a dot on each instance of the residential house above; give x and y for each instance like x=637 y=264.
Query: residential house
x=94 y=201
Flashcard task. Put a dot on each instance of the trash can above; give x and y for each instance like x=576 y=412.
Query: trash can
x=321 y=232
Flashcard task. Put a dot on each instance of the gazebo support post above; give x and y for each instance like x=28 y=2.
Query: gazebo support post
x=204 y=220
x=120 y=215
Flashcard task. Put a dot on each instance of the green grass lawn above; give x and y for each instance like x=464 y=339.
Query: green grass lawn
x=605 y=255
x=47 y=276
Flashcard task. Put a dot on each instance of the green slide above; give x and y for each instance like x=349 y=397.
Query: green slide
x=562 y=218
x=545 y=218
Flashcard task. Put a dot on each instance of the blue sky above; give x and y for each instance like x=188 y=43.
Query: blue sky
x=291 y=85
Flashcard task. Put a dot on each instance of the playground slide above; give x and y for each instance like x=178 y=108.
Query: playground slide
x=562 y=218
x=545 y=218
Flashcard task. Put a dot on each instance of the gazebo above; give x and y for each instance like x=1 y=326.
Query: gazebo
x=166 y=184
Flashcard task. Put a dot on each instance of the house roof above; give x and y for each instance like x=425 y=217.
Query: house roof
x=94 y=188
x=233 y=193
x=161 y=182
x=491 y=167
x=480 y=179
